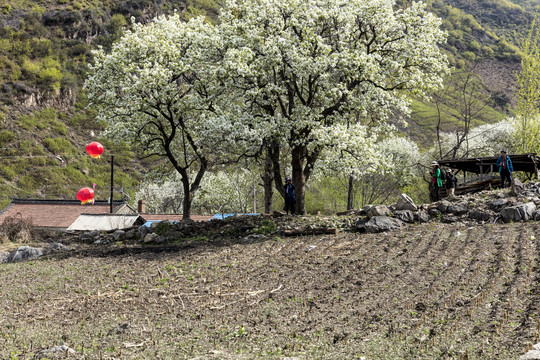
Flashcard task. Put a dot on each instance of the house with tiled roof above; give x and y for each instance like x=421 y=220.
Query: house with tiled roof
x=70 y=214
x=59 y=214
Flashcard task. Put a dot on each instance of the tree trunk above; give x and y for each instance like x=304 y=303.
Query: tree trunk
x=350 y=193
x=268 y=179
x=188 y=198
x=298 y=178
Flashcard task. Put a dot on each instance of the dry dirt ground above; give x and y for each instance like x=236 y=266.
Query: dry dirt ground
x=428 y=291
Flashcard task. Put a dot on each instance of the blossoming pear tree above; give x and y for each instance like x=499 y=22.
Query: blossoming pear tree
x=156 y=91
x=305 y=66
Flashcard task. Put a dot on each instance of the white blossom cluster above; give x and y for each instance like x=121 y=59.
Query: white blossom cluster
x=306 y=74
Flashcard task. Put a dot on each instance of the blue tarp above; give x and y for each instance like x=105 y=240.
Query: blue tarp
x=223 y=216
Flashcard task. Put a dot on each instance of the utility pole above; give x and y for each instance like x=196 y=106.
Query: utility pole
x=112 y=182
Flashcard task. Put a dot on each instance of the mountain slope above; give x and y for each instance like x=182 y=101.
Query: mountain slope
x=45 y=48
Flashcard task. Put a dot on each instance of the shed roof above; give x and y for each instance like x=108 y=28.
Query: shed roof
x=105 y=222
x=481 y=165
x=54 y=214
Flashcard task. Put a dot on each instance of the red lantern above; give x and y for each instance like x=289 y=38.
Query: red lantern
x=94 y=149
x=85 y=195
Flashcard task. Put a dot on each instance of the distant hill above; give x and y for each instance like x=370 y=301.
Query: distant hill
x=45 y=48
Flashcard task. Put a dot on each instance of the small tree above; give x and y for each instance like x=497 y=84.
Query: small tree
x=527 y=109
x=156 y=90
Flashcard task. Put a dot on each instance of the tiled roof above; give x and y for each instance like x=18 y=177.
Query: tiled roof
x=53 y=213
x=174 y=217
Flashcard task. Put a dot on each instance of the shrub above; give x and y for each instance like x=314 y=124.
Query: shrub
x=16 y=229
x=8 y=172
x=59 y=128
x=50 y=78
x=59 y=145
x=6 y=137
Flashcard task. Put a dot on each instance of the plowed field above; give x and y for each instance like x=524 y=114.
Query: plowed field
x=428 y=291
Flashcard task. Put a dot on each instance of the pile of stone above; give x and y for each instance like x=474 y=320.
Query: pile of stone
x=521 y=203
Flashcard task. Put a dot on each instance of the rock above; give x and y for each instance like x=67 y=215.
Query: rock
x=404 y=215
x=378 y=210
x=253 y=238
x=151 y=237
x=89 y=236
x=131 y=234
x=142 y=231
x=24 y=253
x=531 y=355
x=55 y=351
x=405 y=203
x=55 y=246
x=449 y=219
x=443 y=205
x=279 y=213
x=359 y=225
x=422 y=217
x=3 y=256
x=479 y=215
x=434 y=212
x=381 y=223
x=517 y=186
x=536 y=215
x=522 y=212
x=498 y=204
x=458 y=209
x=119 y=235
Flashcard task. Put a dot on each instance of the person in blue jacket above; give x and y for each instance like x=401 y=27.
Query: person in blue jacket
x=505 y=169
x=290 y=196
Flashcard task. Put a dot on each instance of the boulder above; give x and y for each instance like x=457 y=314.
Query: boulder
x=433 y=212
x=522 y=212
x=531 y=355
x=405 y=203
x=517 y=186
x=55 y=246
x=449 y=219
x=381 y=223
x=131 y=234
x=55 y=352
x=443 y=205
x=458 y=209
x=142 y=231
x=378 y=210
x=24 y=253
x=404 y=215
x=497 y=204
x=151 y=237
x=422 y=217
x=479 y=215
x=119 y=235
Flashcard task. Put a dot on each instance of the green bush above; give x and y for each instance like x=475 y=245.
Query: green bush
x=59 y=128
x=6 y=137
x=59 y=146
x=8 y=172
x=50 y=78
x=27 y=122
x=5 y=9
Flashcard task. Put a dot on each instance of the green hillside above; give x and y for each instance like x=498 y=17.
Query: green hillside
x=45 y=48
